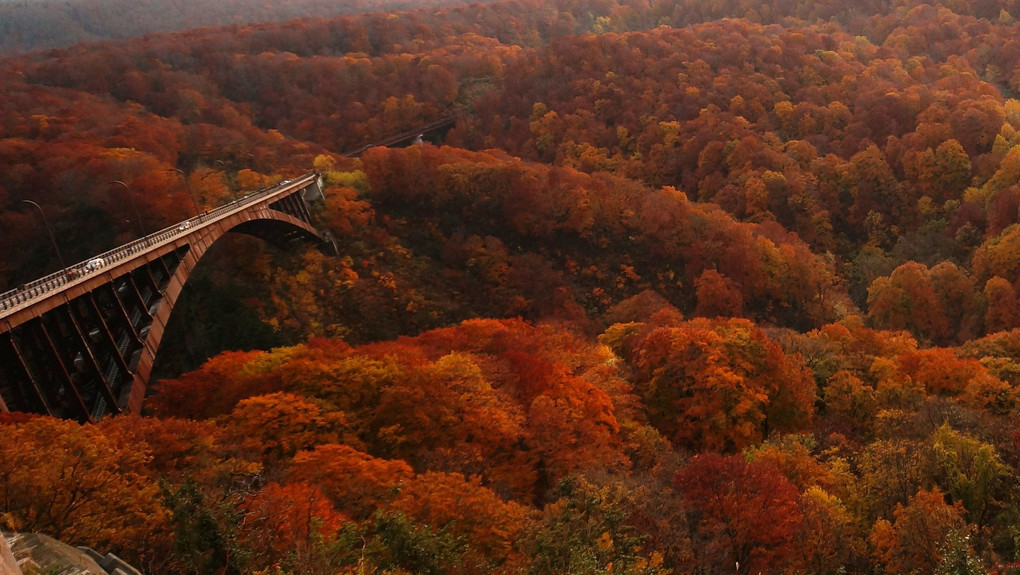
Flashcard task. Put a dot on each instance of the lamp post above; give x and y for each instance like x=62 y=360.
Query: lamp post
x=262 y=177
x=49 y=230
x=187 y=185
x=134 y=206
x=230 y=187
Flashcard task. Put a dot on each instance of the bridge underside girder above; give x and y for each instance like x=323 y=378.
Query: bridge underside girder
x=77 y=360
x=281 y=234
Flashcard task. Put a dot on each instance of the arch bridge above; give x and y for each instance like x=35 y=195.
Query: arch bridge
x=80 y=343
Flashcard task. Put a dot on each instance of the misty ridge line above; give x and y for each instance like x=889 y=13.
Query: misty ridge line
x=29 y=25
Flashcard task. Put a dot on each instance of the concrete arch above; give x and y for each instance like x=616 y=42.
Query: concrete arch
x=277 y=228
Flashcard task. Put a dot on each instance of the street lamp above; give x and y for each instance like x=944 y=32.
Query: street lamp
x=53 y=239
x=230 y=185
x=223 y=176
x=134 y=206
x=262 y=177
x=187 y=184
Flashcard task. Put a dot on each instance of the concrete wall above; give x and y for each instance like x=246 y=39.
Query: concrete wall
x=8 y=566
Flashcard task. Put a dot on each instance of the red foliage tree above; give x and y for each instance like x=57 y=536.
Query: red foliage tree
x=213 y=389
x=294 y=521
x=745 y=514
x=717 y=296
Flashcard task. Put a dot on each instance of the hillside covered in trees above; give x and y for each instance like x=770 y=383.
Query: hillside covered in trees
x=689 y=287
x=31 y=25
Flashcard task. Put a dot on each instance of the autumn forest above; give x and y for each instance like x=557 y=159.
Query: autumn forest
x=689 y=286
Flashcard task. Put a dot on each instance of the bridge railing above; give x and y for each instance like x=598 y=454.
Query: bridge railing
x=445 y=121
x=46 y=284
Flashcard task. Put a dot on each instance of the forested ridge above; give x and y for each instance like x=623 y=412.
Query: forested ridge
x=32 y=25
x=689 y=287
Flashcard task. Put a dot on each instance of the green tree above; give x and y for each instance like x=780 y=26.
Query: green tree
x=585 y=532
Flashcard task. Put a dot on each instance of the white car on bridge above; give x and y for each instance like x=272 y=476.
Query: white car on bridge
x=93 y=265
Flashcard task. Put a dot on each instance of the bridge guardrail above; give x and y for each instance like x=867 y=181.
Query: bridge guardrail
x=447 y=120
x=48 y=283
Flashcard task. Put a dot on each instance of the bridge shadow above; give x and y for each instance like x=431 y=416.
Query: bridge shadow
x=213 y=313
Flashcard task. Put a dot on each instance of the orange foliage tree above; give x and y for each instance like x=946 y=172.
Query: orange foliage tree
x=355 y=482
x=74 y=482
x=1003 y=311
x=721 y=385
x=278 y=425
x=908 y=300
x=915 y=540
x=291 y=524
x=942 y=373
x=177 y=447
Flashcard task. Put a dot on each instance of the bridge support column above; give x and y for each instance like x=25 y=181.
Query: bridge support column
x=72 y=400
x=27 y=397
x=145 y=318
x=125 y=319
x=116 y=364
x=103 y=401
